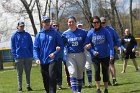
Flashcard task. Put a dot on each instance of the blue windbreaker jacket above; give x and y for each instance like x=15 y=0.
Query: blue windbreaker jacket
x=45 y=43
x=101 y=42
x=115 y=36
x=21 y=45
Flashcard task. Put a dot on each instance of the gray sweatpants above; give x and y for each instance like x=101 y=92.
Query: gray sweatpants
x=76 y=64
x=26 y=64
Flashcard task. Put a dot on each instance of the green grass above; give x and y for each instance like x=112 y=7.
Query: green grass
x=129 y=82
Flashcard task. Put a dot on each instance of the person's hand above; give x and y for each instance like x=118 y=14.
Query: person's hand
x=111 y=59
x=52 y=55
x=124 y=50
x=57 y=48
x=38 y=62
x=133 y=50
x=96 y=53
x=88 y=46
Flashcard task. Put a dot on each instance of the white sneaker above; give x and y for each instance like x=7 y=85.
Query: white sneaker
x=78 y=92
x=90 y=85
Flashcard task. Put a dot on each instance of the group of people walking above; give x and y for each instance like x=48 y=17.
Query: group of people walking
x=76 y=47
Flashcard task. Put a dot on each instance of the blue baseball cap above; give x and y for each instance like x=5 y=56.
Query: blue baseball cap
x=79 y=23
x=45 y=19
x=21 y=24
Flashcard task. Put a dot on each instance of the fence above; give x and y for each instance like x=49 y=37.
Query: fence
x=5 y=56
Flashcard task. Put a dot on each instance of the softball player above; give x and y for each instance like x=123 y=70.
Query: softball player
x=74 y=39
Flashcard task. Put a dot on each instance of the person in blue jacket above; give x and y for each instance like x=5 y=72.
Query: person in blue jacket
x=116 y=43
x=74 y=39
x=88 y=65
x=22 y=51
x=101 y=50
x=60 y=58
x=45 y=53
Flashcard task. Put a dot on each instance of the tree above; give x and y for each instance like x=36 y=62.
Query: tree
x=131 y=21
x=29 y=12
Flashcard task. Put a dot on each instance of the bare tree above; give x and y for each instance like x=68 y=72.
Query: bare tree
x=131 y=20
x=29 y=12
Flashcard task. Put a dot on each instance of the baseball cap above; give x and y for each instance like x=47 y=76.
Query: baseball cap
x=21 y=24
x=45 y=19
x=79 y=23
x=103 y=19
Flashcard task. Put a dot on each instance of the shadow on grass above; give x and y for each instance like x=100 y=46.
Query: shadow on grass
x=133 y=91
x=127 y=83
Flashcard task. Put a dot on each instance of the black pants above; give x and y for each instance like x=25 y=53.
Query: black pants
x=49 y=76
x=59 y=71
x=105 y=67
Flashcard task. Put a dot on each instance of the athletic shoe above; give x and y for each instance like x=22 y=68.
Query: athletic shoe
x=90 y=85
x=123 y=72
x=83 y=85
x=59 y=87
x=20 y=89
x=98 y=91
x=106 y=91
x=29 y=89
x=137 y=70
x=114 y=83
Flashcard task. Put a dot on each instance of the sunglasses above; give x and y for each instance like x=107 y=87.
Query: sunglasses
x=103 y=22
x=97 y=22
x=55 y=25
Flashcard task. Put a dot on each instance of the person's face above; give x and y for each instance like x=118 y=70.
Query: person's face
x=103 y=24
x=46 y=25
x=96 y=23
x=127 y=32
x=55 y=26
x=20 y=27
x=71 y=23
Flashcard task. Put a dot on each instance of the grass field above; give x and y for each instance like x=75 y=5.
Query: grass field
x=129 y=82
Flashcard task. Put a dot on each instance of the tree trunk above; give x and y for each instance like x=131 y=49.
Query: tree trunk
x=29 y=12
x=131 y=20
x=112 y=2
x=119 y=22
x=57 y=10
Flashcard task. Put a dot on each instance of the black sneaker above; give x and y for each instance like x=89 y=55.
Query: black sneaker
x=98 y=91
x=29 y=89
x=106 y=91
x=20 y=89
x=114 y=83
x=109 y=83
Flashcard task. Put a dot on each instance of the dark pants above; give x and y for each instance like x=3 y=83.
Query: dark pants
x=59 y=71
x=67 y=74
x=105 y=67
x=49 y=76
